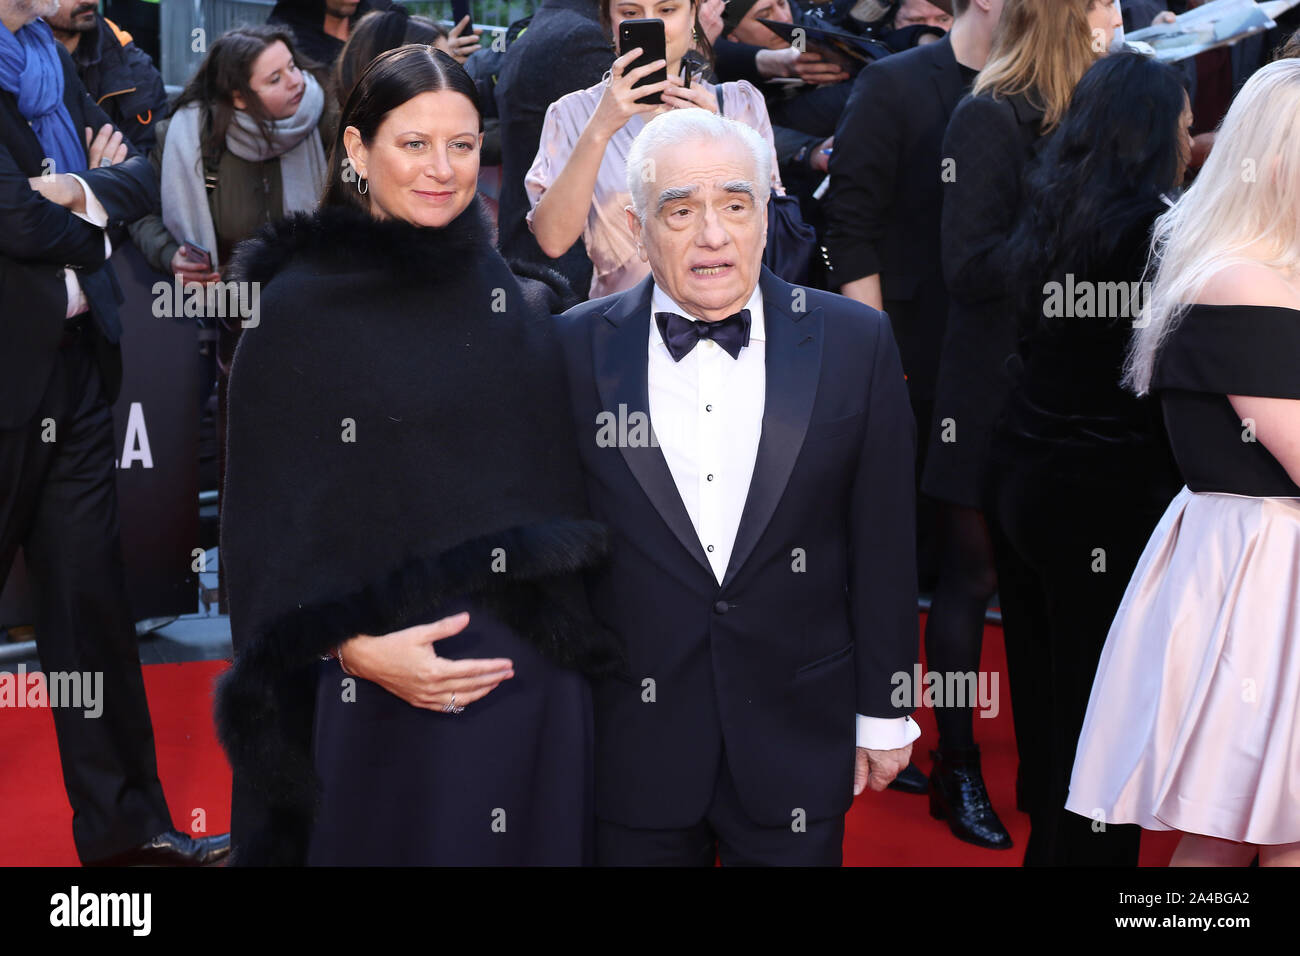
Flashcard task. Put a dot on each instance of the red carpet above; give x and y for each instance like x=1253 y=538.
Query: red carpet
x=36 y=828
x=883 y=829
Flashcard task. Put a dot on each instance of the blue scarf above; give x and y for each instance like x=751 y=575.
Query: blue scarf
x=31 y=70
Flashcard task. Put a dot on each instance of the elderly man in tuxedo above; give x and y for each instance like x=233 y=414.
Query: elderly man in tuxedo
x=61 y=185
x=749 y=444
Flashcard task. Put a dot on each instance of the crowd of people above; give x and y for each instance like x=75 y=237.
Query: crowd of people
x=585 y=520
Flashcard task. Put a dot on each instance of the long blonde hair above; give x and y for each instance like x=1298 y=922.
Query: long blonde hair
x=1246 y=195
x=1041 y=48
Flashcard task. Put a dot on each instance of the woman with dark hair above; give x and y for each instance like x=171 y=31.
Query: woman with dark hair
x=382 y=30
x=1040 y=50
x=404 y=501
x=376 y=32
x=242 y=147
x=1081 y=468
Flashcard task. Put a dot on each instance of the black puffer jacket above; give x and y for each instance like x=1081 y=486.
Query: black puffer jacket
x=122 y=80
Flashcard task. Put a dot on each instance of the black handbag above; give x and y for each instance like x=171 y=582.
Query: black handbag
x=790 y=241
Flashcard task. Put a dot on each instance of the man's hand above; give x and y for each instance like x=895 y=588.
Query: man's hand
x=62 y=190
x=711 y=18
x=106 y=148
x=461 y=42
x=877 y=768
x=812 y=67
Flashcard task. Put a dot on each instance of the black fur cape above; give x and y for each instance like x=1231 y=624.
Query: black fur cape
x=399 y=427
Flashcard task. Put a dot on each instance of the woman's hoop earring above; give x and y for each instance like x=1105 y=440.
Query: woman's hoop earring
x=363 y=185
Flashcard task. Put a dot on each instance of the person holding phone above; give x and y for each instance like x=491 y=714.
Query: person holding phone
x=242 y=147
x=577 y=184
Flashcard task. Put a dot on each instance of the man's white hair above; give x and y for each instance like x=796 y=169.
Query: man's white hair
x=676 y=127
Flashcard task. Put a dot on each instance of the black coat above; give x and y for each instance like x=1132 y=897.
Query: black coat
x=122 y=79
x=990 y=141
x=885 y=200
x=773 y=663
x=420 y=345
x=38 y=238
x=562 y=50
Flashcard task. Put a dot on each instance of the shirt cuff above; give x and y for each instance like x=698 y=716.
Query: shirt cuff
x=886 y=733
x=95 y=213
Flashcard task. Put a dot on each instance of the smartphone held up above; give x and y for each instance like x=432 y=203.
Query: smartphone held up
x=649 y=36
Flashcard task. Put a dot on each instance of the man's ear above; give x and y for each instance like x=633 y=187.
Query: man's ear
x=356 y=150
x=634 y=224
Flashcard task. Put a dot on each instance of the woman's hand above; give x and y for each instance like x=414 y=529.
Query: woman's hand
x=677 y=96
x=192 y=272
x=618 y=103
x=405 y=664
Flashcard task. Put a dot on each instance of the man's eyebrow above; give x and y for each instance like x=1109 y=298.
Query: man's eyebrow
x=674 y=193
x=740 y=186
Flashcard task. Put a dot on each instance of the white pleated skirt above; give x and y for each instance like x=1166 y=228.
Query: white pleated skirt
x=1194 y=719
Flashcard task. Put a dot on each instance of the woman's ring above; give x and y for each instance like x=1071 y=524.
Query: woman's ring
x=451 y=707
x=105 y=162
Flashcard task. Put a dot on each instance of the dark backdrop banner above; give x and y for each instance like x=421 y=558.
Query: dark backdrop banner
x=156 y=420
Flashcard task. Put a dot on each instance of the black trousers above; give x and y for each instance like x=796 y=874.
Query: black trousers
x=58 y=502
x=1066 y=543
x=726 y=833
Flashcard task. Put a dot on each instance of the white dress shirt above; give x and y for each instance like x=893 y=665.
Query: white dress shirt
x=707 y=415
x=96 y=215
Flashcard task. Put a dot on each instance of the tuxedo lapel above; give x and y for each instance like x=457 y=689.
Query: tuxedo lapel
x=621 y=356
x=793 y=368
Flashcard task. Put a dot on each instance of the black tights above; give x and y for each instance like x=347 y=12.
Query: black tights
x=954 y=629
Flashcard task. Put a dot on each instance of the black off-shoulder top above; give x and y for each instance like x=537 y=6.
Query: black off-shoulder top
x=1214 y=352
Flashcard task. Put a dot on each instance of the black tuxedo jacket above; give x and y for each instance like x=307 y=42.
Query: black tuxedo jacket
x=886 y=198
x=38 y=239
x=817 y=610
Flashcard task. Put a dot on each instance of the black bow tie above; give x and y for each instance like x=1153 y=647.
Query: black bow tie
x=681 y=334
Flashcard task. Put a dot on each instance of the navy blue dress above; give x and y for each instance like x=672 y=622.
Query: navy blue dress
x=507 y=782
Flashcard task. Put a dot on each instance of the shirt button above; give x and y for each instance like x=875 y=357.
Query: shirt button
x=708 y=408
x=710 y=477
x=722 y=607
x=710 y=549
